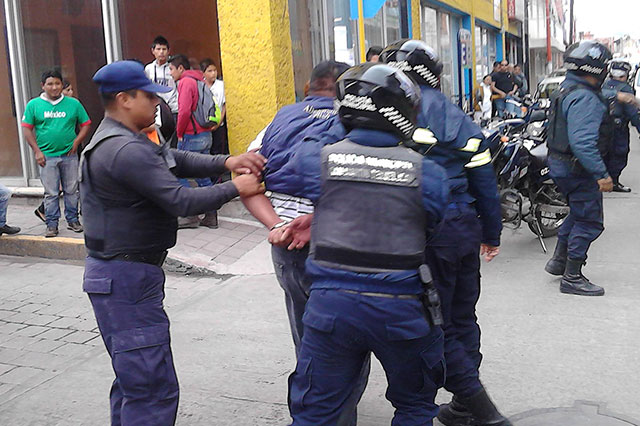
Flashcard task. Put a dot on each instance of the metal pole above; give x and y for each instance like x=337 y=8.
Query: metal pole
x=361 y=39
x=525 y=38
x=572 y=33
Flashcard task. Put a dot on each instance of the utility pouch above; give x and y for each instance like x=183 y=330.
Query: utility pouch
x=430 y=298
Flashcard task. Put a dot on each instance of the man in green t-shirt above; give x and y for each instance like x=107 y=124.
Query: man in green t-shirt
x=49 y=125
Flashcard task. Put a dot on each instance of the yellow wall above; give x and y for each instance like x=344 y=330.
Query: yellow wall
x=255 y=43
x=415 y=19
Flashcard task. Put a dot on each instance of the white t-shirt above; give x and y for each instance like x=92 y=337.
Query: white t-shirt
x=160 y=74
x=217 y=88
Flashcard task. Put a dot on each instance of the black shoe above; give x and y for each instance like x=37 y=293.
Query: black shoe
x=75 y=227
x=454 y=414
x=9 y=230
x=39 y=212
x=51 y=232
x=618 y=187
x=558 y=262
x=210 y=220
x=573 y=282
x=482 y=410
x=188 y=222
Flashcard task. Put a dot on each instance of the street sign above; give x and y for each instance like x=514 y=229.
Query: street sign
x=464 y=41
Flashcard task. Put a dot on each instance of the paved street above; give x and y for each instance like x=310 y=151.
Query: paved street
x=543 y=350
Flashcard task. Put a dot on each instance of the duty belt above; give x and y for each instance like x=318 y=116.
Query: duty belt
x=156 y=259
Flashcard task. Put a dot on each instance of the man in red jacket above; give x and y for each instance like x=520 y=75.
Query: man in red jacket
x=191 y=136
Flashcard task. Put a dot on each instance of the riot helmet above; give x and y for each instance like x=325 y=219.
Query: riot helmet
x=619 y=69
x=377 y=96
x=416 y=59
x=587 y=58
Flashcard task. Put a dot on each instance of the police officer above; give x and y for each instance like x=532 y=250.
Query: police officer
x=580 y=130
x=623 y=114
x=376 y=202
x=131 y=197
x=315 y=115
x=472 y=227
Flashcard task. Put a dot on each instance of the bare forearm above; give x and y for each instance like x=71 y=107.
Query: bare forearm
x=223 y=114
x=31 y=139
x=260 y=207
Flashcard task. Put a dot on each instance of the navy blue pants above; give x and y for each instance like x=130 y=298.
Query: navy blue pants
x=340 y=331
x=289 y=266
x=618 y=154
x=585 y=221
x=454 y=258
x=127 y=302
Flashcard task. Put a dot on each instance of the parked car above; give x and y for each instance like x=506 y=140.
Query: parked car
x=550 y=83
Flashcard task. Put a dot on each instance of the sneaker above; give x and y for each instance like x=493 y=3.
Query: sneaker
x=618 y=187
x=188 y=222
x=39 y=212
x=210 y=220
x=52 y=231
x=75 y=227
x=9 y=230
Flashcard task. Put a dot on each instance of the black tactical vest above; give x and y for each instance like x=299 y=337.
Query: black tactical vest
x=370 y=216
x=113 y=226
x=558 y=137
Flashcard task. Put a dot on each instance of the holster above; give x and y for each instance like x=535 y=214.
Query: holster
x=430 y=298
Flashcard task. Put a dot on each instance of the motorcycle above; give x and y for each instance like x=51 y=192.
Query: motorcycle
x=527 y=192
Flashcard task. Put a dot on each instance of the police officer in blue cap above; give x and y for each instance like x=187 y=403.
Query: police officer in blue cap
x=623 y=114
x=471 y=228
x=131 y=198
x=376 y=203
x=580 y=130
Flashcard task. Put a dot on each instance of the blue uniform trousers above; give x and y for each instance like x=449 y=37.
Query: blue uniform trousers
x=127 y=302
x=340 y=331
x=585 y=221
x=454 y=258
x=289 y=266
x=618 y=154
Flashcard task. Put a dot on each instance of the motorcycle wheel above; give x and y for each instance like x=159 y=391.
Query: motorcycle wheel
x=549 y=226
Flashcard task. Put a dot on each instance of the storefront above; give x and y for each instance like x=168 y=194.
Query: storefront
x=77 y=37
x=440 y=30
x=486 y=41
x=332 y=29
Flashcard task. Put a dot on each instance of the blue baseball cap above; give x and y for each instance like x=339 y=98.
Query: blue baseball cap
x=121 y=76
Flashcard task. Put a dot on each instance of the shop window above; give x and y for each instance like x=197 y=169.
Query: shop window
x=10 y=164
x=191 y=28
x=385 y=26
x=66 y=35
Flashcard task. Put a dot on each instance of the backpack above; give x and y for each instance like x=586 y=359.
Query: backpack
x=206 y=114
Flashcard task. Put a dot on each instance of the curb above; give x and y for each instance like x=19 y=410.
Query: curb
x=61 y=248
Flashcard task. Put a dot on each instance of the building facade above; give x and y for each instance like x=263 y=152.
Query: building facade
x=265 y=49
x=539 y=47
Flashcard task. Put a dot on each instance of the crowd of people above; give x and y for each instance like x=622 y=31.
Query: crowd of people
x=381 y=201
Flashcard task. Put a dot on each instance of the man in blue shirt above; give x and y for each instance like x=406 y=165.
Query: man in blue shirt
x=376 y=204
x=623 y=114
x=471 y=228
x=580 y=130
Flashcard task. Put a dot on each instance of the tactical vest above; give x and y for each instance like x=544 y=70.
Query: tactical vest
x=558 y=137
x=114 y=227
x=370 y=216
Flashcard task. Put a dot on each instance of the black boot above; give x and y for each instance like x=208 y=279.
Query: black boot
x=557 y=263
x=618 y=187
x=573 y=282
x=483 y=412
x=454 y=413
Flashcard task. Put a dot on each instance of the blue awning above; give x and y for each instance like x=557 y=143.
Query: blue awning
x=371 y=7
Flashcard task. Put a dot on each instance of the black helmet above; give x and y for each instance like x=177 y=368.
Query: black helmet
x=377 y=96
x=587 y=58
x=619 y=68
x=416 y=59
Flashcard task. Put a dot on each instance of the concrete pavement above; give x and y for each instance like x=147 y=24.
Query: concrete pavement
x=549 y=359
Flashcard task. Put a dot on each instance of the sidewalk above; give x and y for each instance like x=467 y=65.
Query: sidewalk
x=201 y=250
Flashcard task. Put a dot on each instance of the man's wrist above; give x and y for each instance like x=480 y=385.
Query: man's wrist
x=278 y=225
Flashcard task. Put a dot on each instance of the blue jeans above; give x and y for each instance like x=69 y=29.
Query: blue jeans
x=5 y=195
x=289 y=266
x=62 y=170
x=200 y=143
x=501 y=106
